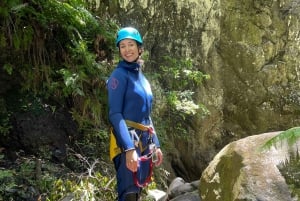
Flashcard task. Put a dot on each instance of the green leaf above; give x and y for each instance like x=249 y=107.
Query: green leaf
x=6 y=173
x=8 y=68
x=290 y=136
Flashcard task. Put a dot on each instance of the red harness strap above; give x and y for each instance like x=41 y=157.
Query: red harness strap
x=149 y=177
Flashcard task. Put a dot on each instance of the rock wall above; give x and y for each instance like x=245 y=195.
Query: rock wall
x=250 y=49
x=261 y=72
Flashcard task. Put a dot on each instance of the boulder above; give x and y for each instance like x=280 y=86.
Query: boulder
x=42 y=132
x=156 y=195
x=242 y=170
x=183 y=191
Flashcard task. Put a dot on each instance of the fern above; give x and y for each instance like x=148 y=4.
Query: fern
x=290 y=136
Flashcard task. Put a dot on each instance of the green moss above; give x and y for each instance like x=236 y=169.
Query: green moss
x=227 y=173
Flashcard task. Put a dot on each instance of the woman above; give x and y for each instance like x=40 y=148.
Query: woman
x=130 y=104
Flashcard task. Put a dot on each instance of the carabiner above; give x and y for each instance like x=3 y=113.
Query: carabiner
x=134 y=137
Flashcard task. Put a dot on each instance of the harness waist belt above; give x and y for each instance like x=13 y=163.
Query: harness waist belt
x=139 y=126
x=114 y=149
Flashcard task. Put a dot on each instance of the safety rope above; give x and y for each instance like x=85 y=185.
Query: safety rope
x=144 y=158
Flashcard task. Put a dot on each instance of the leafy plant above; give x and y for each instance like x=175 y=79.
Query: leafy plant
x=89 y=185
x=181 y=74
x=55 y=42
x=5 y=125
x=51 y=51
x=290 y=171
x=289 y=168
x=55 y=181
x=7 y=182
x=290 y=136
x=179 y=77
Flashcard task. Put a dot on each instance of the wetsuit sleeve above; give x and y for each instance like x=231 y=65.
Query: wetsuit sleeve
x=117 y=86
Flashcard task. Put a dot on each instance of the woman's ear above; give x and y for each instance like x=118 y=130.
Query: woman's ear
x=141 y=50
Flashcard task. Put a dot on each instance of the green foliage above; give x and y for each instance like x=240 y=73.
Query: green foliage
x=290 y=168
x=50 y=50
x=290 y=136
x=15 y=182
x=5 y=124
x=181 y=74
x=179 y=77
x=90 y=187
x=290 y=171
x=7 y=181
x=50 y=46
x=8 y=68
x=4 y=119
x=89 y=184
x=33 y=177
x=181 y=80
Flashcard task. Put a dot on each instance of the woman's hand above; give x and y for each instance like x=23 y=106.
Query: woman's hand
x=159 y=156
x=132 y=160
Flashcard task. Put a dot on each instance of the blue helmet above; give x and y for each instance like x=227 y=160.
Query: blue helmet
x=129 y=33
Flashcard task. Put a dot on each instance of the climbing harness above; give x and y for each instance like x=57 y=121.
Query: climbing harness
x=151 y=156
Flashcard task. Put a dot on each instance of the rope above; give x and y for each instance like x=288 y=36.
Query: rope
x=149 y=177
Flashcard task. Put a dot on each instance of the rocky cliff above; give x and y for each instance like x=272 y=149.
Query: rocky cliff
x=250 y=49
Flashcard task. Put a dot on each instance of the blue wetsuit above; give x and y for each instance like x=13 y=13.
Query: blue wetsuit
x=130 y=98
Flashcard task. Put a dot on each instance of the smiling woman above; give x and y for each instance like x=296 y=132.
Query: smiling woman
x=130 y=44
x=134 y=143
x=129 y=50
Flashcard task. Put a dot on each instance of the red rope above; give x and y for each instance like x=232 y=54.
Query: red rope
x=148 y=179
x=144 y=159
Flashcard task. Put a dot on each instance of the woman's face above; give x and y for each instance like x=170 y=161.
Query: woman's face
x=129 y=50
